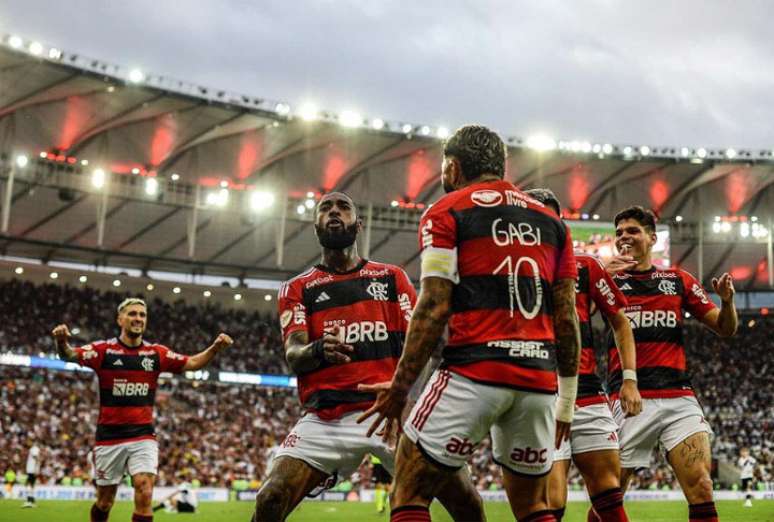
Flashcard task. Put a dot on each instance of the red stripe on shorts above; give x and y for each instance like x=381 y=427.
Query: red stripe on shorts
x=433 y=398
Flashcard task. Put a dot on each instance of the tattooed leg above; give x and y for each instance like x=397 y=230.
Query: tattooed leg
x=692 y=463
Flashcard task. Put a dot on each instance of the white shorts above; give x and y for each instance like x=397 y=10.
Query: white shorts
x=113 y=461
x=664 y=421
x=593 y=429
x=335 y=447
x=454 y=413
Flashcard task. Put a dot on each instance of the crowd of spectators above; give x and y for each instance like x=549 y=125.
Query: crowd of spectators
x=32 y=311
x=219 y=435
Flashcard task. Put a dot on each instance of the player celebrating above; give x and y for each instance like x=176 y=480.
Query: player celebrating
x=747 y=464
x=343 y=322
x=128 y=369
x=490 y=257
x=671 y=414
x=593 y=443
x=33 y=470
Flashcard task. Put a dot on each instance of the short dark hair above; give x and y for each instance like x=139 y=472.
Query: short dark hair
x=479 y=151
x=547 y=197
x=641 y=215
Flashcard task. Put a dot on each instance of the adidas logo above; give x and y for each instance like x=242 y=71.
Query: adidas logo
x=118 y=363
x=626 y=286
x=322 y=298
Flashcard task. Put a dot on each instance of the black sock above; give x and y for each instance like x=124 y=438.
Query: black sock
x=559 y=513
x=97 y=515
x=160 y=506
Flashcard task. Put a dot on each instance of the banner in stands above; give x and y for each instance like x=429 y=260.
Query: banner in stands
x=124 y=493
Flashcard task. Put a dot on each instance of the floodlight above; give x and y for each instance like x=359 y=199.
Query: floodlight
x=308 y=112
x=98 y=178
x=151 y=186
x=22 y=160
x=350 y=119
x=136 y=76
x=442 y=132
x=377 y=124
x=261 y=199
x=541 y=142
x=36 y=48
x=15 y=41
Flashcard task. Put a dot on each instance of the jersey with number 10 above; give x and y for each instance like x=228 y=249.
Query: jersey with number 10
x=504 y=251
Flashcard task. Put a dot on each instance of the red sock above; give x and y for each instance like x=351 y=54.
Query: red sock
x=592 y=516
x=704 y=512
x=545 y=515
x=141 y=518
x=410 y=514
x=608 y=506
x=97 y=515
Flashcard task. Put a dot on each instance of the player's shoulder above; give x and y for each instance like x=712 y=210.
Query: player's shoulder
x=101 y=344
x=297 y=281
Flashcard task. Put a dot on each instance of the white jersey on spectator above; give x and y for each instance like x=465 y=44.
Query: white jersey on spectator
x=187 y=494
x=33 y=460
x=748 y=466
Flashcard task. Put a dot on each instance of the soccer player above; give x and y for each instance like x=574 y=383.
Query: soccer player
x=343 y=321
x=128 y=369
x=182 y=500
x=498 y=267
x=33 y=470
x=671 y=415
x=381 y=479
x=747 y=464
x=593 y=444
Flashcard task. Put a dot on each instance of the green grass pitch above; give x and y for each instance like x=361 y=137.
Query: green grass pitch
x=77 y=511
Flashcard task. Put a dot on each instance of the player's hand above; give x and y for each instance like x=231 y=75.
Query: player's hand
x=335 y=351
x=562 y=433
x=222 y=341
x=631 y=402
x=389 y=407
x=620 y=263
x=61 y=333
x=724 y=287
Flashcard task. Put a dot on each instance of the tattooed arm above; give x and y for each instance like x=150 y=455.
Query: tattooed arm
x=568 y=346
x=424 y=331
x=566 y=328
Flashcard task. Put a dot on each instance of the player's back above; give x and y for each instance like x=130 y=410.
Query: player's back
x=508 y=250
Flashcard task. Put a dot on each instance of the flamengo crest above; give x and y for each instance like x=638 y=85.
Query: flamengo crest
x=378 y=291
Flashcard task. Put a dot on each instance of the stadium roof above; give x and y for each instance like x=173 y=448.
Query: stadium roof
x=210 y=150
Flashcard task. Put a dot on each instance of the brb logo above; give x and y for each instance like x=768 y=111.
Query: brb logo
x=365 y=331
x=652 y=319
x=378 y=291
x=123 y=388
x=529 y=456
x=462 y=447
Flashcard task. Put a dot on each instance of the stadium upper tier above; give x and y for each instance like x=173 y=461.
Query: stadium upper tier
x=133 y=169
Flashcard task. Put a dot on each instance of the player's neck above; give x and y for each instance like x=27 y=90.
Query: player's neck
x=643 y=264
x=342 y=260
x=128 y=341
x=483 y=178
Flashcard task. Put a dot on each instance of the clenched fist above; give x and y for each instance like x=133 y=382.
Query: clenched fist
x=222 y=341
x=61 y=333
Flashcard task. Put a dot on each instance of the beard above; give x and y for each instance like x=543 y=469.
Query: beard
x=337 y=239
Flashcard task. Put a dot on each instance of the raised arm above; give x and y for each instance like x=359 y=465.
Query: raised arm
x=203 y=358
x=568 y=346
x=723 y=321
x=61 y=335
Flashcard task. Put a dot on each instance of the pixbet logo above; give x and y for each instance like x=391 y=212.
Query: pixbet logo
x=529 y=456
x=462 y=447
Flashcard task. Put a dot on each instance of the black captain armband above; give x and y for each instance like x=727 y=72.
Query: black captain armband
x=318 y=350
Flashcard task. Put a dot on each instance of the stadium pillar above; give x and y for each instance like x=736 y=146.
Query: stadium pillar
x=102 y=215
x=701 y=249
x=192 y=222
x=279 y=247
x=8 y=198
x=770 y=255
x=369 y=222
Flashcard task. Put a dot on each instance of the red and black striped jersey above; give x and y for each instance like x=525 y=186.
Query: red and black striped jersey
x=372 y=305
x=656 y=301
x=504 y=251
x=594 y=286
x=128 y=377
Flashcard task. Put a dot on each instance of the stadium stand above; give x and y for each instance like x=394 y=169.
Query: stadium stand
x=220 y=434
